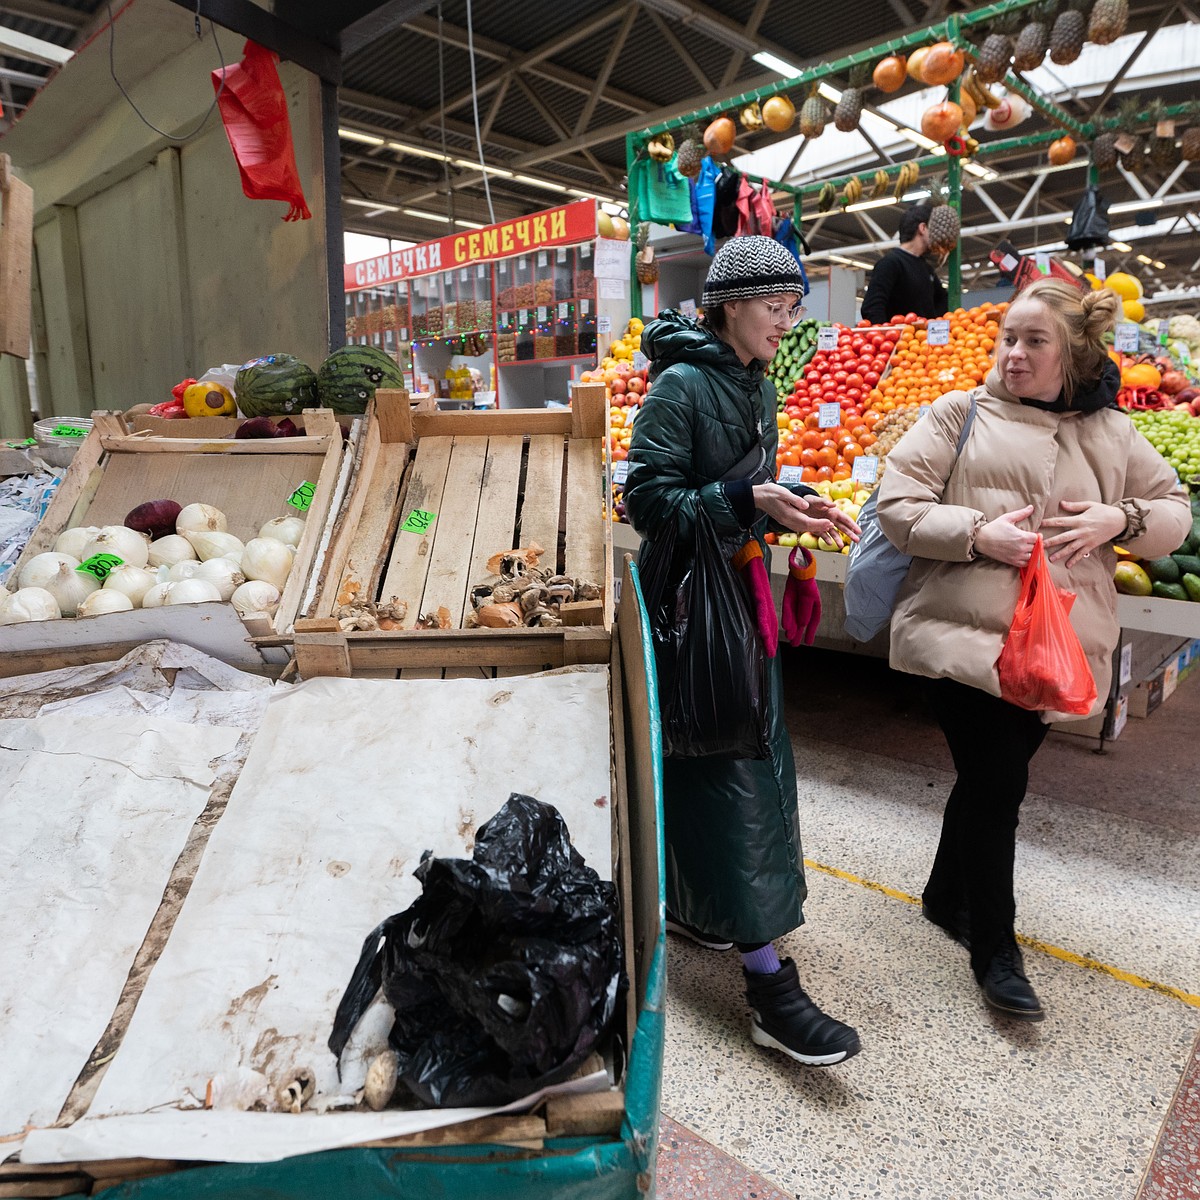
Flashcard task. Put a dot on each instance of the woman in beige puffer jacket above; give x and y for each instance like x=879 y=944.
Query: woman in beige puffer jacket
x=1048 y=453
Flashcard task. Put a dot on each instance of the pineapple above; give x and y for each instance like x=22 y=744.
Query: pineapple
x=813 y=115
x=1128 y=113
x=1107 y=21
x=1068 y=34
x=1189 y=144
x=690 y=154
x=1164 y=154
x=645 y=266
x=943 y=228
x=994 y=57
x=1030 y=48
x=848 y=111
x=1104 y=151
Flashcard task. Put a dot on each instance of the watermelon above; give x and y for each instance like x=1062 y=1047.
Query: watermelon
x=348 y=378
x=275 y=385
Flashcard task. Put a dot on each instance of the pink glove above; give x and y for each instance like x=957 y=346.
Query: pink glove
x=801 y=600
x=748 y=562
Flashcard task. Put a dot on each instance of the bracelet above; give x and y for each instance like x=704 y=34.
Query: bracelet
x=808 y=570
x=747 y=554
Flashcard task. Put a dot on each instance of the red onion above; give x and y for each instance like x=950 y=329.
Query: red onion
x=155 y=518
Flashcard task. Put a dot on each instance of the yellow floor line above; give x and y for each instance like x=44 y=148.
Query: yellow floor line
x=1069 y=956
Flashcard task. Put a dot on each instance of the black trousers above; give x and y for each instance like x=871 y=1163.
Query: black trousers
x=992 y=743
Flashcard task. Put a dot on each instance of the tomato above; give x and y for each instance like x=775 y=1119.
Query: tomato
x=854 y=380
x=854 y=394
x=870 y=377
x=840 y=376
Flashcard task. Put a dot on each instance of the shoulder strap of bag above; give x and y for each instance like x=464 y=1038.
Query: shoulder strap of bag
x=966 y=429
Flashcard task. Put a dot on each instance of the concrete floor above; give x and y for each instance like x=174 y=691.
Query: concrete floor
x=1099 y=1102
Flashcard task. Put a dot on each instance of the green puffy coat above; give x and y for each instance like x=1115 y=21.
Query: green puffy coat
x=735 y=867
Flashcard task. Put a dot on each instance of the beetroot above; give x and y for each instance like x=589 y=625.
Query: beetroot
x=257 y=427
x=155 y=517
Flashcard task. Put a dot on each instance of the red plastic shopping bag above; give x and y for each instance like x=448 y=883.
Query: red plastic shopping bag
x=254 y=111
x=1042 y=666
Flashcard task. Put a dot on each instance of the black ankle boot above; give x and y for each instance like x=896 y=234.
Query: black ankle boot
x=1006 y=988
x=786 y=1019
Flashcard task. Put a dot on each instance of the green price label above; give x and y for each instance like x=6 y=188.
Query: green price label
x=99 y=565
x=418 y=521
x=22 y=445
x=69 y=431
x=302 y=497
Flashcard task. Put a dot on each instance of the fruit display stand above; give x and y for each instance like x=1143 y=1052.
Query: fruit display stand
x=113 y=471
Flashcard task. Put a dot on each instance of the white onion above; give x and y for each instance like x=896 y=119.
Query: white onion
x=28 y=604
x=156 y=596
x=72 y=541
x=106 y=601
x=127 y=544
x=267 y=559
x=183 y=570
x=44 y=566
x=201 y=518
x=215 y=544
x=70 y=588
x=169 y=550
x=191 y=591
x=256 y=596
x=288 y=530
x=133 y=582
x=223 y=573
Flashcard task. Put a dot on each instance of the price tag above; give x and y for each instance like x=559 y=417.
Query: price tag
x=542 y=259
x=68 y=431
x=99 y=565
x=620 y=471
x=503 y=267
x=22 y=445
x=464 y=274
x=1042 y=261
x=1185 y=355
x=631 y=415
x=585 y=251
x=604 y=324
x=404 y=333
x=561 y=254
x=562 y=312
x=865 y=469
x=504 y=320
x=789 y=476
x=523 y=316
x=543 y=312
x=302 y=497
x=937 y=333
x=1100 y=269
x=1126 y=338
x=640 y=361
x=827 y=337
x=585 y=306
x=1164 y=332
x=480 y=271
x=687 y=307
x=418 y=521
x=1126 y=664
x=829 y=415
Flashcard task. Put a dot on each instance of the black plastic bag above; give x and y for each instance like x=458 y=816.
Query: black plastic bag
x=712 y=672
x=725 y=195
x=1089 y=222
x=504 y=973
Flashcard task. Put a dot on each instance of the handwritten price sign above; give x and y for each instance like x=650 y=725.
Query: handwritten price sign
x=418 y=521
x=99 y=565
x=68 y=431
x=302 y=497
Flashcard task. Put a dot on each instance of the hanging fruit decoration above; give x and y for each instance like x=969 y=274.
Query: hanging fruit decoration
x=1061 y=151
x=916 y=64
x=941 y=121
x=660 y=147
x=778 y=114
x=752 y=118
x=942 y=64
x=691 y=153
x=813 y=114
x=890 y=73
x=718 y=137
x=967 y=103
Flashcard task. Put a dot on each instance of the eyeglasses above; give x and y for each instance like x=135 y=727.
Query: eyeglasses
x=781 y=314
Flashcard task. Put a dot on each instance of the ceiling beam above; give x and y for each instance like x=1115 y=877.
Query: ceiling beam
x=738 y=57
x=681 y=51
x=33 y=49
x=610 y=60
x=47 y=11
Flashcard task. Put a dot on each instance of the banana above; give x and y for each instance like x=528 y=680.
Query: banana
x=826 y=198
x=882 y=183
x=907 y=177
x=852 y=192
x=979 y=90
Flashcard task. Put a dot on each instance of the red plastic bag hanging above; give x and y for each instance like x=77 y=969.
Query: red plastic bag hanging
x=1042 y=666
x=254 y=110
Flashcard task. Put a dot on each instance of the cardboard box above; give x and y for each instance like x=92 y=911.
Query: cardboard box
x=1147 y=695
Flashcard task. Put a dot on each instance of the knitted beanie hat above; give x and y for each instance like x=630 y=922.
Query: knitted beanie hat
x=751 y=266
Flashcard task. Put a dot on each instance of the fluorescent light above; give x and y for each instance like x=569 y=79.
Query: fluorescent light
x=377 y=205
x=881 y=203
x=1160 y=266
x=613 y=208
x=920 y=139
x=468 y=165
x=830 y=93
x=1145 y=258
x=469 y=224
x=774 y=63
x=419 y=151
x=367 y=139
x=542 y=183
x=983 y=172
x=849 y=262
x=423 y=215
x=1124 y=247
x=920 y=194
x=1133 y=205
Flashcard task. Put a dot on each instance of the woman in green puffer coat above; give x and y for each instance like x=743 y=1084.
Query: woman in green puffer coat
x=705 y=438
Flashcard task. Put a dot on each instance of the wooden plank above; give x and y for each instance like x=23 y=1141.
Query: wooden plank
x=393 y=415
x=33 y=662
x=378 y=497
x=409 y=559
x=543 y=495
x=321 y=649
x=585 y=511
x=498 y=1130
x=416 y=673
x=467 y=673
x=591 y=1113
x=453 y=533
x=492 y=423
x=589 y=410
x=181 y=445
x=437 y=649
x=585 y=644
x=582 y=612
x=497 y=520
x=16 y=268
x=60 y=1185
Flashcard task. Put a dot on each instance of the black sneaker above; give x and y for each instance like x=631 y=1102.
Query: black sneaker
x=785 y=1019
x=708 y=941
x=957 y=925
x=1006 y=988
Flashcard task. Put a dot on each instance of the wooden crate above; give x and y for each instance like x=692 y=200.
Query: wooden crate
x=494 y=480
x=249 y=481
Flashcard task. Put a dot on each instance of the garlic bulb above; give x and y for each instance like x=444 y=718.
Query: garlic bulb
x=28 y=604
x=288 y=530
x=133 y=582
x=215 y=544
x=70 y=588
x=256 y=596
x=128 y=545
x=223 y=573
x=169 y=550
x=72 y=541
x=105 y=601
x=183 y=570
x=44 y=566
x=201 y=518
x=191 y=591
x=267 y=559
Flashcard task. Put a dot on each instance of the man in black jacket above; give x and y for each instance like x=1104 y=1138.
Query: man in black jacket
x=903 y=281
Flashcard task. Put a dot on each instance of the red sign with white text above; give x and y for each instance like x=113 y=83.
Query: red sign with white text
x=575 y=222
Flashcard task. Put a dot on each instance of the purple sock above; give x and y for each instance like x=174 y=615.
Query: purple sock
x=763 y=961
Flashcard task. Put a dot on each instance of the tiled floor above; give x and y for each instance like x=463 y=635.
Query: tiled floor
x=947 y=1101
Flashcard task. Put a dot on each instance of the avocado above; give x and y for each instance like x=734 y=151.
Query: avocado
x=1163 y=570
x=1169 y=591
x=1191 y=585
x=1188 y=564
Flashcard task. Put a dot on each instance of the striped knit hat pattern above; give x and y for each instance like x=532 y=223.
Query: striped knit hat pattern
x=751 y=266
